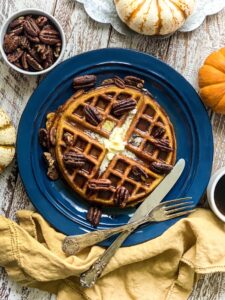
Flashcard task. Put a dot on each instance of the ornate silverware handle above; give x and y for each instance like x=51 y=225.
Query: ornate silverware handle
x=74 y=244
x=88 y=278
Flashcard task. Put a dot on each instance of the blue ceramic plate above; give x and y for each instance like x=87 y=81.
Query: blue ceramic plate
x=60 y=205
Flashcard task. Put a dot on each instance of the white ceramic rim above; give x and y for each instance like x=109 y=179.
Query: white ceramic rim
x=211 y=192
x=34 y=11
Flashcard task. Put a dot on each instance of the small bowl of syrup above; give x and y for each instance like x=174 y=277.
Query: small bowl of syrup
x=216 y=194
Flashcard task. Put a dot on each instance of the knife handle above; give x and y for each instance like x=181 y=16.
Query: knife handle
x=74 y=244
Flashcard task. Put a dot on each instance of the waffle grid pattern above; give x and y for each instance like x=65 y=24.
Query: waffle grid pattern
x=147 y=122
x=72 y=120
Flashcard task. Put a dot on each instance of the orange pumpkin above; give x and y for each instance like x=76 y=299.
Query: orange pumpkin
x=212 y=81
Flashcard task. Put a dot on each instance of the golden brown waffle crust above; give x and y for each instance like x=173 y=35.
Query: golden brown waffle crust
x=70 y=118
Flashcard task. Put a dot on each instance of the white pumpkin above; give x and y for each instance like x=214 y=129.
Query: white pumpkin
x=154 y=17
x=7 y=140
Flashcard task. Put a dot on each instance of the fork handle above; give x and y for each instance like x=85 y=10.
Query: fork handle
x=89 y=277
x=74 y=244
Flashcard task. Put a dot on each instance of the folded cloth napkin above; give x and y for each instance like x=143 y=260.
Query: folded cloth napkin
x=163 y=268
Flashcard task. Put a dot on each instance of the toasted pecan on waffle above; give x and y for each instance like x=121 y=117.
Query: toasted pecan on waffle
x=96 y=162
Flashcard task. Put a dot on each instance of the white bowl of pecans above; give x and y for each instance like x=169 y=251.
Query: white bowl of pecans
x=32 y=42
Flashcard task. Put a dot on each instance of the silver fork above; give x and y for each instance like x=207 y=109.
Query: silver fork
x=164 y=211
x=74 y=244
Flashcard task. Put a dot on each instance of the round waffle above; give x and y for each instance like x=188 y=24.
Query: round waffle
x=148 y=139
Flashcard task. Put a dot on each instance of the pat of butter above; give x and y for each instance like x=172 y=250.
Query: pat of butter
x=108 y=125
x=115 y=142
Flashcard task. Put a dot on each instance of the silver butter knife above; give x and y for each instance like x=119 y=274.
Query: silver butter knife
x=89 y=277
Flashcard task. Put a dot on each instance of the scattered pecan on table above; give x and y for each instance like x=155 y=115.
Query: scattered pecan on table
x=32 y=43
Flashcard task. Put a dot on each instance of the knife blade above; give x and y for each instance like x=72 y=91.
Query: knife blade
x=159 y=193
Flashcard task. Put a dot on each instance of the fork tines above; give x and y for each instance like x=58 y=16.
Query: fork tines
x=178 y=207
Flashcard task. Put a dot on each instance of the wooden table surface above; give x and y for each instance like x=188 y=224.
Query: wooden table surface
x=183 y=51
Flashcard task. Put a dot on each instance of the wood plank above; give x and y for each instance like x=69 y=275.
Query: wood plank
x=83 y=34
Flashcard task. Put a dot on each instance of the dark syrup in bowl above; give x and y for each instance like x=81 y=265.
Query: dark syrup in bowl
x=219 y=195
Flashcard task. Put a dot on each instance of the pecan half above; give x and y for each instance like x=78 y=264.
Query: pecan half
x=24 y=42
x=94 y=216
x=121 y=196
x=160 y=168
x=52 y=173
x=43 y=138
x=11 y=42
x=158 y=132
x=17 y=22
x=139 y=174
x=119 y=82
x=86 y=81
x=68 y=139
x=57 y=50
x=15 y=56
x=33 y=63
x=99 y=184
x=33 y=39
x=92 y=115
x=134 y=81
x=17 y=30
x=31 y=27
x=73 y=159
x=49 y=58
x=41 y=21
x=163 y=145
x=42 y=50
x=123 y=106
x=35 y=55
x=49 y=36
x=24 y=61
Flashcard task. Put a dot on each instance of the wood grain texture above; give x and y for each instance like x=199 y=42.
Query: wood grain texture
x=185 y=52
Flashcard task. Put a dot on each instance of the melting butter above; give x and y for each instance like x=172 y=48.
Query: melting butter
x=115 y=144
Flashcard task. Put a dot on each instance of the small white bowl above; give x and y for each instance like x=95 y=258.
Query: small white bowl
x=32 y=11
x=211 y=193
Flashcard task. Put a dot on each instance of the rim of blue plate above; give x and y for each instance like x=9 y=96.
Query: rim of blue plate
x=97 y=58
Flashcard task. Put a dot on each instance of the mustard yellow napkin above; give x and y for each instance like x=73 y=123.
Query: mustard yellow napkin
x=164 y=268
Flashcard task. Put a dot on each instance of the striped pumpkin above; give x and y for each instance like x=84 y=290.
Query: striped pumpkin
x=7 y=140
x=154 y=17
